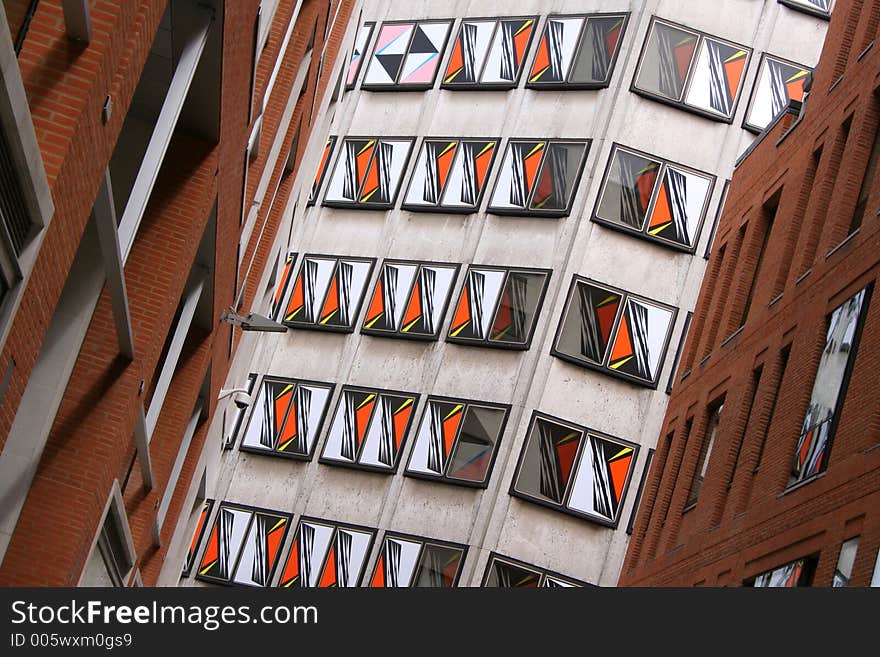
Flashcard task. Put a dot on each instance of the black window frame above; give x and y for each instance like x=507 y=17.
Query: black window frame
x=762 y=60
x=487 y=342
x=396 y=85
x=367 y=205
x=336 y=525
x=542 y=573
x=356 y=464
x=526 y=212
x=241 y=411
x=797 y=6
x=562 y=86
x=253 y=510
x=424 y=540
x=198 y=536
x=357 y=307
x=371 y=27
x=323 y=168
x=625 y=295
x=490 y=86
x=468 y=403
x=401 y=335
x=642 y=233
x=295 y=456
x=563 y=507
x=439 y=207
x=681 y=104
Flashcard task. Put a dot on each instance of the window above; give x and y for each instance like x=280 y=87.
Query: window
x=504 y=572
x=287 y=417
x=845 y=561
x=457 y=441
x=361 y=42
x=322 y=168
x=718 y=212
x=368 y=172
x=412 y=561
x=705 y=453
x=489 y=53
x=204 y=514
x=327 y=554
x=838 y=355
x=794 y=574
x=765 y=226
x=653 y=198
x=410 y=299
x=407 y=55
x=243 y=546
x=450 y=175
x=783 y=365
x=238 y=414
x=695 y=71
x=778 y=82
x=678 y=350
x=870 y=173
x=577 y=52
x=327 y=293
x=113 y=556
x=539 y=177
x=283 y=284
x=614 y=331
x=369 y=428
x=574 y=469
x=820 y=8
x=498 y=306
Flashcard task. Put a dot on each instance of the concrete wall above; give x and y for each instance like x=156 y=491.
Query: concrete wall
x=491 y=520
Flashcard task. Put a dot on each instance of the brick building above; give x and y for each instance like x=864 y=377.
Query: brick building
x=767 y=470
x=148 y=151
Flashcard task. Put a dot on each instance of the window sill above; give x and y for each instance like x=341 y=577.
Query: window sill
x=835 y=83
x=732 y=335
x=849 y=238
x=775 y=300
x=865 y=51
x=803 y=276
x=685 y=375
x=689 y=507
x=705 y=359
x=797 y=486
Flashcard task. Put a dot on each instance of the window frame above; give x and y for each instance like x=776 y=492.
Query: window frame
x=852 y=355
x=468 y=403
x=642 y=233
x=356 y=464
x=798 y=6
x=543 y=573
x=424 y=540
x=562 y=86
x=198 y=536
x=357 y=308
x=294 y=456
x=762 y=61
x=563 y=507
x=368 y=205
x=283 y=285
x=397 y=86
x=372 y=531
x=807 y=574
x=526 y=212
x=399 y=335
x=681 y=104
x=231 y=437
x=625 y=295
x=253 y=510
x=439 y=208
x=486 y=342
x=371 y=27
x=323 y=167
x=490 y=86
x=114 y=511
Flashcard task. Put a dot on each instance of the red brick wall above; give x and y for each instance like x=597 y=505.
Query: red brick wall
x=735 y=532
x=91 y=442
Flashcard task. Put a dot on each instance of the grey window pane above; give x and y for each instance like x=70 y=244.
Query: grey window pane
x=598 y=45
x=588 y=323
x=666 y=60
x=558 y=176
x=438 y=567
x=628 y=189
x=517 y=307
x=476 y=443
x=548 y=461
